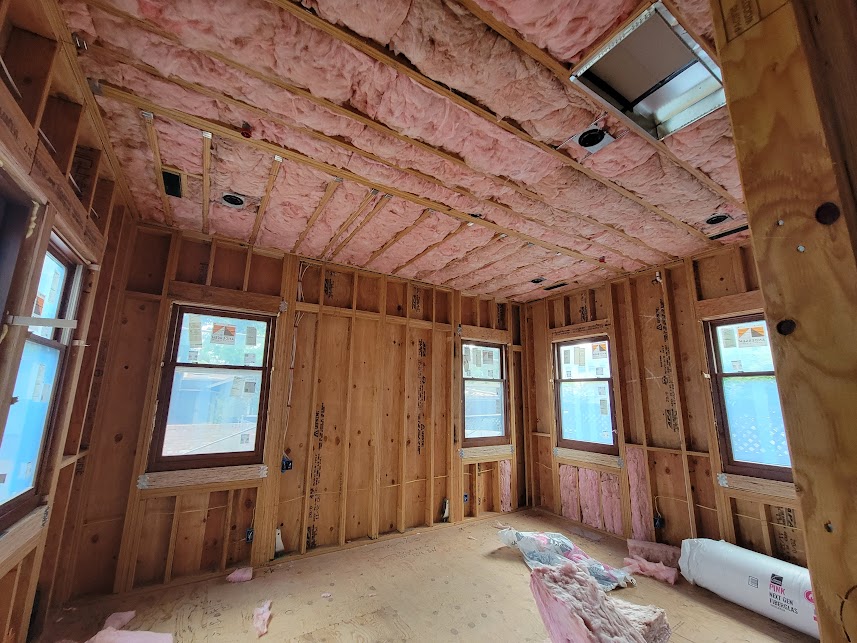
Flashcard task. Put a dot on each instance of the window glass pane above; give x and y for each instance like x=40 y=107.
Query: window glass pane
x=585 y=412
x=228 y=341
x=744 y=347
x=484 y=409
x=49 y=294
x=212 y=410
x=584 y=360
x=481 y=362
x=28 y=419
x=756 y=427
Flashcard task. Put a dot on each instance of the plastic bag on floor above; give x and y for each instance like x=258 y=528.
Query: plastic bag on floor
x=553 y=550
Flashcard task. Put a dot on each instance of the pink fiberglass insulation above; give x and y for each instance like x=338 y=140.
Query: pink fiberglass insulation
x=128 y=137
x=480 y=261
x=453 y=248
x=344 y=203
x=654 y=552
x=432 y=229
x=568 y=492
x=650 y=621
x=505 y=485
x=180 y=145
x=528 y=261
x=375 y=19
x=707 y=144
x=554 y=268
x=574 y=609
x=375 y=206
x=642 y=527
x=697 y=13
x=187 y=210
x=389 y=222
x=295 y=195
x=611 y=503
x=590 y=498
x=564 y=28
x=239 y=169
x=658 y=571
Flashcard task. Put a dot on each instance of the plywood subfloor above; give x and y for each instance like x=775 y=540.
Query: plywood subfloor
x=456 y=583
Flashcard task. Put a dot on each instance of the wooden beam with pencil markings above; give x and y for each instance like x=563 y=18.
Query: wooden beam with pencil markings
x=328 y=194
x=383 y=55
x=266 y=198
x=382 y=203
x=233 y=134
x=351 y=218
x=449 y=236
x=348 y=112
x=152 y=137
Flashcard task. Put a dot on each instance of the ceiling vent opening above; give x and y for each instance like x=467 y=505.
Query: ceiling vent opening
x=537 y=280
x=172 y=183
x=717 y=218
x=593 y=138
x=728 y=233
x=233 y=200
x=556 y=285
x=655 y=73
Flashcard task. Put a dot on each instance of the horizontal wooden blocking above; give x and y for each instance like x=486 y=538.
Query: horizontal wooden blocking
x=60 y=125
x=30 y=58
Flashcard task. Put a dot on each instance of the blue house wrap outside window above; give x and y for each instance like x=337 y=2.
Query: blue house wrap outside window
x=584 y=395
x=484 y=381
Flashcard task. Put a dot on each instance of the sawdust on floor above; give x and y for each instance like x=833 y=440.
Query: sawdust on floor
x=456 y=583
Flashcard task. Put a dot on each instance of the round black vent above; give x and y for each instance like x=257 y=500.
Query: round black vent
x=714 y=219
x=233 y=200
x=537 y=280
x=591 y=137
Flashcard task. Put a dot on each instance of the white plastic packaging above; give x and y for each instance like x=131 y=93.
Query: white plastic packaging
x=770 y=587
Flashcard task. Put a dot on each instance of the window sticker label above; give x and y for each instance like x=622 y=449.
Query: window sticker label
x=194 y=332
x=605 y=407
x=737 y=366
x=39 y=306
x=249 y=387
x=566 y=357
x=223 y=334
x=237 y=386
x=755 y=335
x=39 y=383
x=599 y=372
x=250 y=336
x=193 y=355
x=249 y=359
x=579 y=356
x=727 y=337
x=599 y=350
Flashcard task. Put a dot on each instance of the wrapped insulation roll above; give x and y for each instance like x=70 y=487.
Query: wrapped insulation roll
x=770 y=587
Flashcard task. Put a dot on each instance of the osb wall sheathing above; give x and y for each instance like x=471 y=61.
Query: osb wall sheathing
x=669 y=457
x=368 y=416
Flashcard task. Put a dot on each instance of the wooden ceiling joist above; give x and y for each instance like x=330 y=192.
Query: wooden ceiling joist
x=276 y=164
x=351 y=218
x=272 y=148
x=378 y=207
x=398 y=236
x=263 y=114
x=563 y=73
x=436 y=244
x=206 y=178
x=383 y=55
x=328 y=195
x=152 y=137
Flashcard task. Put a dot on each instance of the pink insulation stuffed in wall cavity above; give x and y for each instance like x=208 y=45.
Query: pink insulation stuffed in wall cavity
x=590 y=498
x=642 y=526
x=569 y=492
x=611 y=503
x=505 y=485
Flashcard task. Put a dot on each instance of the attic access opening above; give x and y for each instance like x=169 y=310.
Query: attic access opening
x=655 y=73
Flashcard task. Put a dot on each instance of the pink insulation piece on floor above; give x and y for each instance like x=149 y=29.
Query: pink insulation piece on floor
x=389 y=222
x=658 y=571
x=590 y=497
x=294 y=197
x=123 y=636
x=432 y=229
x=611 y=503
x=654 y=552
x=648 y=620
x=642 y=525
x=118 y=620
x=557 y=26
x=569 y=492
x=505 y=485
x=575 y=610
x=240 y=575
x=261 y=617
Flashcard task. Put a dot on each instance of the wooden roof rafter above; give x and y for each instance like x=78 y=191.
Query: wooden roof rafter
x=461 y=228
x=372 y=193
x=152 y=138
x=398 y=236
x=274 y=172
x=380 y=205
x=325 y=199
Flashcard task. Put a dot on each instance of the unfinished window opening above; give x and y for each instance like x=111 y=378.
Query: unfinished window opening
x=655 y=73
x=584 y=395
x=213 y=396
x=484 y=380
x=28 y=425
x=750 y=424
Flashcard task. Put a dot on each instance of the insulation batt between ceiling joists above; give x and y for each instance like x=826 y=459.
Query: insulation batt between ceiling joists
x=447 y=43
x=471 y=133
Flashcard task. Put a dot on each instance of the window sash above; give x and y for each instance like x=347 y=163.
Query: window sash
x=724 y=436
x=504 y=387
x=160 y=462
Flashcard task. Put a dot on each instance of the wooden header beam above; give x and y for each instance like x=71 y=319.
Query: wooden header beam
x=797 y=156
